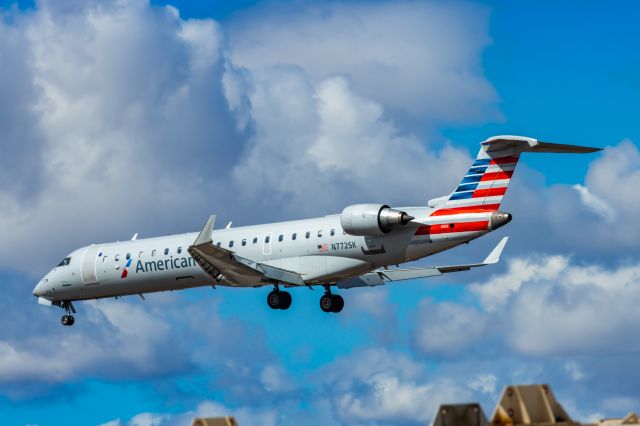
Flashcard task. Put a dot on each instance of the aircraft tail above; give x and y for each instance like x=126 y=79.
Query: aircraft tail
x=486 y=182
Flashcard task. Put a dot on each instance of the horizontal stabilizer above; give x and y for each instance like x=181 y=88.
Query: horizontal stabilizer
x=382 y=276
x=518 y=144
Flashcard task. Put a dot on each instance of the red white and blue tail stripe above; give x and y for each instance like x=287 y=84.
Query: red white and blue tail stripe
x=484 y=185
x=486 y=182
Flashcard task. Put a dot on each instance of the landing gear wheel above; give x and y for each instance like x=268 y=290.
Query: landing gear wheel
x=273 y=299
x=279 y=299
x=67 y=320
x=326 y=303
x=338 y=303
x=285 y=300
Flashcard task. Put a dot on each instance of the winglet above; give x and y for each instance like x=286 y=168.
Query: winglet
x=205 y=235
x=494 y=256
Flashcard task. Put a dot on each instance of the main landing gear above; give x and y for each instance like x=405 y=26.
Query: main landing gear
x=279 y=299
x=331 y=302
x=67 y=319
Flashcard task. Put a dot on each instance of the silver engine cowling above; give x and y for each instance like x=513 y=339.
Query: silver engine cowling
x=372 y=219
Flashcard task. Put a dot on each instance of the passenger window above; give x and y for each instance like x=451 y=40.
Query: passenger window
x=166 y=251
x=293 y=237
x=231 y=243
x=244 y=242
x=117 y=258
x=255 y=240
x=153 y=253
x=307 y=235
x=179 y=250
x=104 y=258
x=128 y=256
x=267 y=239
x=333 y=232
x=281 y=237
x=319 y=233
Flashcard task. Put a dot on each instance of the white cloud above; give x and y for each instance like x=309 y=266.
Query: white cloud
x=128 y=106
x=446 y=328
x=327 y=137
x=550 y=306
x=274 y=378
x=485 y=383
x=116 y=422
x=377 y=386
x=376 y=46
x=495 y=292
x=574 y=370
x=594 y=219
x=595 y=204
x=147 y=419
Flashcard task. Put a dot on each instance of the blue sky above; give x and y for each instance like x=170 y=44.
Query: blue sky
x=124 y=117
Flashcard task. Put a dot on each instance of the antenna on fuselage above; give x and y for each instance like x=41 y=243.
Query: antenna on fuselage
x=135 y=236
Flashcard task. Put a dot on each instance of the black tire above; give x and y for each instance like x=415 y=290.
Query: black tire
x=273 y=300
x=72 y=320
x=338 y=303
x=326 y=303
x=285 y=300
x=65 y=320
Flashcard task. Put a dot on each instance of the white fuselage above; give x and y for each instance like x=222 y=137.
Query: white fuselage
x=318 y=249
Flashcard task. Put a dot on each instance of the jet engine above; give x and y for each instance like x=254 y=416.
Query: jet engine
x=372 y=219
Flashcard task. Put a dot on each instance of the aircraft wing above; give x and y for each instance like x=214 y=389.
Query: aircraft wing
x=221 y=263
x=382 y=276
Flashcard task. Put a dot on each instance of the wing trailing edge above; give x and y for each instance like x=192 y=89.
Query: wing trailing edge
x=382 y=276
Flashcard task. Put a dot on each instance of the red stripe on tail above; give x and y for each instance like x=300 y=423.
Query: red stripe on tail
x=478 y=208
x=490 y=192
x=497 y=176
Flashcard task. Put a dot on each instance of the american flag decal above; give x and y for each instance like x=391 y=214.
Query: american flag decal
x=323 y=247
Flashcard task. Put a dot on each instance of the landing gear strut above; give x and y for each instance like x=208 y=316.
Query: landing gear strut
x=279 y=299
x=68 y=318
x=331 y=302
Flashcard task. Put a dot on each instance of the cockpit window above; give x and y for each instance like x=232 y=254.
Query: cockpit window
x=65 y=261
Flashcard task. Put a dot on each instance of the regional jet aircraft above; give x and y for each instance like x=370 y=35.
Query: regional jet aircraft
x=346 y=250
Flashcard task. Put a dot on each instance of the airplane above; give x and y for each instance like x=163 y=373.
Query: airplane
x=343 y=251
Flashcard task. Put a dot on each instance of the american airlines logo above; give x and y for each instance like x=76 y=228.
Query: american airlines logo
x=165 y=264
x=125 y=272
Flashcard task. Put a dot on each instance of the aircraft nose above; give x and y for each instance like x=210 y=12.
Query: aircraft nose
x=41 y=288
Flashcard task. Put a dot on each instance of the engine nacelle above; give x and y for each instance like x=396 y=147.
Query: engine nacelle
x=372 y=219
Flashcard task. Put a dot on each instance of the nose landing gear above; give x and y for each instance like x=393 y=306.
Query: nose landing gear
x=331 y=302
x=67 y=319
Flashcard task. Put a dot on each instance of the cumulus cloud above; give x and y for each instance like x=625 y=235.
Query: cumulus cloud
x=325 y=136
x=377 y=386
x=549 y=305
x=125 y=98
x=445 y=329
x=395 y=53
x=126 y=106
x=596 y=219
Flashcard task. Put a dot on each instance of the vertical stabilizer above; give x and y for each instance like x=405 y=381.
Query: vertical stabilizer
x=486 y=182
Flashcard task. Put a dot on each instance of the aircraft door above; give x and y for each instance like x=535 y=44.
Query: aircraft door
x=266 y=243
x=88 y=271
